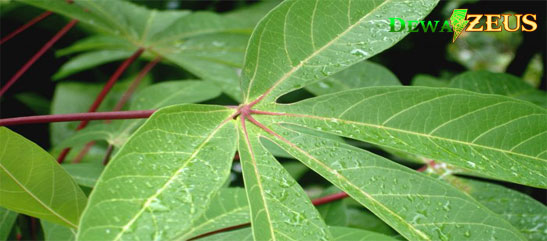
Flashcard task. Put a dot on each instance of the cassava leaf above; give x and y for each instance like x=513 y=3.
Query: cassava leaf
x=364 y=74
x=334 y=213
x=37 y=103
x=429 y=81
x=500 y=84
x=89 y=60
x=417 y=206
x=216 y=57
x=32 y=183
x=56 y=232
x=169 y=168
x=85 y=174
x=280 y=209
x=338 y=233
x=228 y=208
x=526 y=214
x=300 y=42
x=97 y=42
x=492 y=135
x=152 y=97
x=73 y=97
x=7 y=219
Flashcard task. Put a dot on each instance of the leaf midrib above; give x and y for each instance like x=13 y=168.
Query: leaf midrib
x=316 y=52
x=170 y=180
x=367 y=195
x=412 y=133
x=36 y=198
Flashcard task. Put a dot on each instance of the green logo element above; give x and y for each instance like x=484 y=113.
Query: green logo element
x=458 y=22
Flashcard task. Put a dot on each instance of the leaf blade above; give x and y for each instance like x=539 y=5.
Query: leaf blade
x=22 y=188
x=453 y=123
x=333 y=33
x=164 y=187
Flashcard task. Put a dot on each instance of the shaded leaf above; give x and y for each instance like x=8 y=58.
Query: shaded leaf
x=85 y=174
x=32 y=183
x=428 y=81
x=228 y=208
x=149 y=98
x=291 y=47
x=364 y=74
x=96 y=42
x=168 y=169
x=525 y=213
x=40 y=105
x=500 y=84
x=338 y=233
x=56 y=232
x=7 y=219
x=89 y=60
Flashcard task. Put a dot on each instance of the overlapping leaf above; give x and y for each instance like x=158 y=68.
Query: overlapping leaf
x=170 y=168
x=301 y=42
x=417 y=206
x=525 y=213
x=500 y=84
x=364 y=74
x=149 y=98
x=7 y=219
x=280 y=209
x=228 y=208
x=339 y=234
x=493 y=135
x=32 y=183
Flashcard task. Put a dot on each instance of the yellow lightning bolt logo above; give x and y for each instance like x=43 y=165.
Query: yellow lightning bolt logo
x=457 y=19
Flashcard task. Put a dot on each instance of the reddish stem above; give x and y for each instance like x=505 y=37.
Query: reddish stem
x=316 y=202
x=329 y=198
x=135 y=84
x=36 y=56
x=25 y=26
x=113 y=115
x=108 y=153
x=121 y=102
x=82 y=153
x=102 y=95
x=109 y=84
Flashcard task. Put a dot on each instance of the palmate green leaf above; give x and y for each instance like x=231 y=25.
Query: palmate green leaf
x=169 y=168
x=491 y=135
x=89 y=60
x=523 y=212
x=7 y=219
x=228 y=208
x=338 y=233
x=280 y=209
x=300 y=42
x=215 y=57
x=149 y=98
x=417 y=206
x=364 y=74
x=500 y=84
x=56 y=232
x=96 y=42
x=32 y=183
